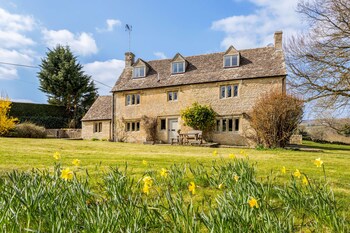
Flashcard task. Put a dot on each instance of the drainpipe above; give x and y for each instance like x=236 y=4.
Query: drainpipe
x=112 y=121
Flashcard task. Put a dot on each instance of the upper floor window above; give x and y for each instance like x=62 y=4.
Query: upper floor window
x=228 y=91
x=133 y=99
x=172 y=95
x=178 y=67
x=139 y=72
x=231 y=60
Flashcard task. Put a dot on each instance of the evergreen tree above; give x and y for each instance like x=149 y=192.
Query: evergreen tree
x=63 y=80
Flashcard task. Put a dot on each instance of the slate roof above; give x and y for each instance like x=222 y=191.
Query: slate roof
x=101 y=109
x=254 y=63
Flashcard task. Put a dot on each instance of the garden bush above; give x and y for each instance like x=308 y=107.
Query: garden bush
x=225 y=196
x=28 y=130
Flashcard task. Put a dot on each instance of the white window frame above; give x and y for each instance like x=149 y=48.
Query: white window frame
x=231 y=60
x=177 y=67
x=137 y=72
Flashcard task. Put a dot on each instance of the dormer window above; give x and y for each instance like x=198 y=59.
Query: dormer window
x=178 y=67
x=231 y=60
x=139 y=72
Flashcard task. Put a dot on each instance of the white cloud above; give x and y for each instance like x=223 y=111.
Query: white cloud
x=160 y=55
x=15 y=22
x=12 y=39
x=255 y=30
x=111 y=24
x=82 y=44
x=106 y=72
x=13 y=56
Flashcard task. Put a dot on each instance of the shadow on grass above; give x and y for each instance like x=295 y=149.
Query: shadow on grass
x=324 y=146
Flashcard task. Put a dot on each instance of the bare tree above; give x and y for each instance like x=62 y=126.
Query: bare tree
x=319 y=60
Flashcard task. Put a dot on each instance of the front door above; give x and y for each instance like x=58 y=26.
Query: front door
x=172 y=130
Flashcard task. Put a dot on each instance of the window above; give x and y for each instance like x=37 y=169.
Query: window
x=133 y=99
x=228 y=91
x=227 y=124
x=178 y=67
x=172 y=95
x=231 y=60
x=139 y=72
x=133 y=126
x=162 y=124
x=97 y=127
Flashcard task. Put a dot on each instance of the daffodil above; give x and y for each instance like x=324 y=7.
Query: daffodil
x=253 y=203
x=144 y=162
x=66 y=174
x=146 y=188
x=305 y=181
x=57 y=155
x=236 y=178
x=242 y=152
x=283 y=170
x=215 y=153
x=192 y=187
x=76 y=162
x=221 y=186
x=147 y=180
x=164 y=173
x=318 y=162
x=297 y=173
x=231 y=156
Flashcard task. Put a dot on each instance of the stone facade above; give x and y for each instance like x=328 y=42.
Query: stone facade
x=88 y=131
x=155 y=103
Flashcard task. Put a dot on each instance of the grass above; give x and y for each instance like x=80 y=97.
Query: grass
x=98 y=156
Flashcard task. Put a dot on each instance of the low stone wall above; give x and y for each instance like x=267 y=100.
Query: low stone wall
x=64 y=133
x=296 y=139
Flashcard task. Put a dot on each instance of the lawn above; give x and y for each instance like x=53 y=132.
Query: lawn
x=147 y=160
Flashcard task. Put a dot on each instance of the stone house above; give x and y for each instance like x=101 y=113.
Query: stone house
x=230 y=82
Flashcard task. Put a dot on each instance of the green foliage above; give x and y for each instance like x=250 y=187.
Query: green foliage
x=48 y=116
x=6 y=122
x=28 y=130
x=63 y=79
x=201 y=117
x=41 y=201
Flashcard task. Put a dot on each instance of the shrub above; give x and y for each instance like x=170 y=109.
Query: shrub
x=28 y=130
x=6 y=122
x=150 y=125
x=199 y=117
x=275 y=118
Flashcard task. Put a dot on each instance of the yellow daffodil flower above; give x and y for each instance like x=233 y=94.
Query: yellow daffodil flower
x=297 y=173
x=231 y=156
x=147 y=180
x=242 y=152
x=305 y=181
x=192 y=188
x=236 y=178
x=57 y=155
x=145 y=189
x=221 y=186
x=215 y=153
x=318 y=162
x=76 y=162
x=164 y=173
x=283 y=170
x=253 y=203
x=66 y=174
x=144 y=162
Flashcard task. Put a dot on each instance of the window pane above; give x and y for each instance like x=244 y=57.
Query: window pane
x=128 y=126
x=230 y=124
x=218 y=125
x=224 y=124
x=235 y=60
x=95 y=127
x=142 y=71
x=100 y=127
x=174 y=70
x=227 y=61
x=180 y=67
x=235 y=90
x=132 y=99
x=175 y=95
x=128 y=100
x=170 y=96
x=229 y=91
x=236 y=124
x=222 y=92
x=137 y=126
x=162 y=124
x=133 y=126
x=138 y=99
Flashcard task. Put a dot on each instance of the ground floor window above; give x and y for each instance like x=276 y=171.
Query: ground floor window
x=97 y=127
x=132 y=126
x=162 y=124
x=227 y=124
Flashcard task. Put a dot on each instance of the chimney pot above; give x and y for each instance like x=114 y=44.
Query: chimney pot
x=129 y=59
x=278 y=40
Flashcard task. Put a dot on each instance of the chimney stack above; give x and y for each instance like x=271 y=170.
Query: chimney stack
x=278 y=40
x=129 y=59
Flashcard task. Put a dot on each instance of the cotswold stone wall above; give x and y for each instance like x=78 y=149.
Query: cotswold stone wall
x=154 y=103
x=88 y=130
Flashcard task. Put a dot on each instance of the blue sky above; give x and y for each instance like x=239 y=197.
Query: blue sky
x=95 y=31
